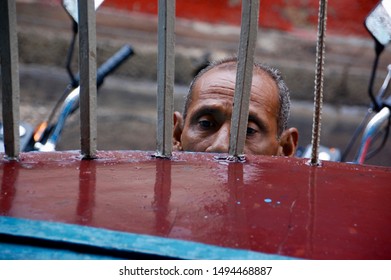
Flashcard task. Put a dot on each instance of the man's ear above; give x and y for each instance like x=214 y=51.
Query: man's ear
x=177 y=132
x=288 y=141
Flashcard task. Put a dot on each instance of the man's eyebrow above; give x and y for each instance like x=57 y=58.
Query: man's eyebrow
x=204 y=110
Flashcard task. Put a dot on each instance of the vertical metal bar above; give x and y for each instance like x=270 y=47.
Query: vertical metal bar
x=165 y=77
x=248 y=37
x=10 y=77
x=87 y=61
x=318 y=91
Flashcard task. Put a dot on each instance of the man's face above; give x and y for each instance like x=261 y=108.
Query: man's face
x=208 y=121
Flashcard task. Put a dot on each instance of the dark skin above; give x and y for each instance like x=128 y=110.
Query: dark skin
x=207 y=124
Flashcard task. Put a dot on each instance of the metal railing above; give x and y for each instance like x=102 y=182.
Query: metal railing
x=166 y=64
x=10 y=76
x=165 y=79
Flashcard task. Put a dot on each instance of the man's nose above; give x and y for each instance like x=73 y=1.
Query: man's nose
x=220 y=143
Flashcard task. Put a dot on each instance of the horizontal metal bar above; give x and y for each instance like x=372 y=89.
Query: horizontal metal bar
x=10 y=77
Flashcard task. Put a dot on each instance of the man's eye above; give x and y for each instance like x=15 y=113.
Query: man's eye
x=205 y=124
x=251 y=131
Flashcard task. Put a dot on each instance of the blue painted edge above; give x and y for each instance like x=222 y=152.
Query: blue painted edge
x=9 y=251
x=110 y=241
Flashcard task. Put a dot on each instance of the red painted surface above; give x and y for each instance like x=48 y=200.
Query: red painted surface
x=268 y=204
x=345 y=17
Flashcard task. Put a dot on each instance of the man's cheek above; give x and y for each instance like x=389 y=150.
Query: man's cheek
x=193 y=143
x=261 y=147
x=191 y=135
x=188 y=139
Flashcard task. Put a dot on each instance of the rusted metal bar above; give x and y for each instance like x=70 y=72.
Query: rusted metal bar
x=165 y=77
x=318 y=91
x=88 y=91
x=10 y=78
x=248 y=37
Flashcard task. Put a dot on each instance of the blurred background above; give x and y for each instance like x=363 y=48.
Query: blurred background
x=205 y=30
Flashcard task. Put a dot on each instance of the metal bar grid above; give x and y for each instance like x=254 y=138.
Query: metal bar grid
x=166 y=73
x=10 y=78
x=165 y=77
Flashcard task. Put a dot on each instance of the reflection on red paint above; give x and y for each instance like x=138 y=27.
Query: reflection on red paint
x=162 y=195
x=8 y=190
x=87 y=185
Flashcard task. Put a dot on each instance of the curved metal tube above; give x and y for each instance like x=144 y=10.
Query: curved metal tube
x=378 y=122
x=68 y=106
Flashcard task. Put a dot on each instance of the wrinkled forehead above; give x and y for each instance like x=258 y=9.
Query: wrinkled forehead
x=224 y=75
